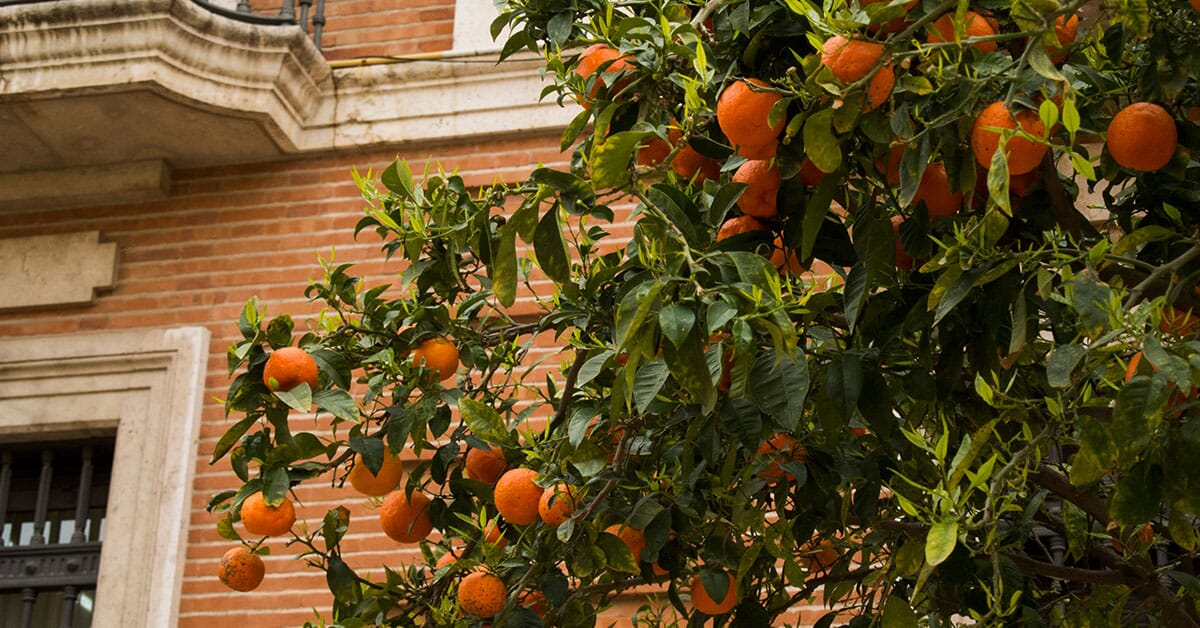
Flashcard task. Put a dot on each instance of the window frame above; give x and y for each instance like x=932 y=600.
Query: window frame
x=146 y=386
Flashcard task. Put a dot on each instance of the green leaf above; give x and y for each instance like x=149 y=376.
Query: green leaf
x=719 y=313
x=676 y=321
x=998 y=179
x=1097 y=453
x=940 y=542
x=371 y=450
x=593 y=367
x=1061 y=364
x=610 y=161
x=856 y=292
x=275 y=485
x=279 y=331
x=689 y=367
x=820 y=144
x=334 y=526
x=955 y=293
x=844 y=380
x=1041 y=63
x=1090 y=300
x=398 y=178
x=342 y=581
x=231 y=437
x=1132 y=242
x=648 y=381
x=483 y=420
x=616 y=553
x=503 y=270
x=635 y=307
x=1138 y=496
x=337 y=402
x=898 y=614
x=780 y=387
x=298 y=398
x=1134 y=419
x=1182 y=531
x=551 y=248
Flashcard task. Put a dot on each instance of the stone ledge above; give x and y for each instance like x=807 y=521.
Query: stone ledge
x=55 y=270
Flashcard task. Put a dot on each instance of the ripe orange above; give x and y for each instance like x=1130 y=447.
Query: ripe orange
x=704 y=603
x=482 y=594
x=1023 y=155
x=486 y=465
x=633 y=538
x=446 y=559
x=810 y=174
x=786 y=259
x=263 y=520
x=904 y=261
x=742 y=114
x=405 y=519
x=762 y=181
x=935 y=191
x=821 y=554
x=438 y=355
x=1195 y=4
x=738 y=225
x=493 y=535
x=241 y=569
x=556 y=505
x=1142 y=137
x=1066 y=29
x=517 y=496
x=591 y=60
x=852 y=59
x=289 y=367
x=781 y=448
x=690 y=164
x=376 y=484
x=976 y=26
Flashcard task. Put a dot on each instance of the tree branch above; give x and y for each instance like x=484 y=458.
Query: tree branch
x=1161 y=273
x=564 y=402
x=1073 y=574
x=1057 y=483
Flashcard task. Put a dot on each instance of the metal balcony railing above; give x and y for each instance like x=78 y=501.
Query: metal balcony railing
x=287 y=15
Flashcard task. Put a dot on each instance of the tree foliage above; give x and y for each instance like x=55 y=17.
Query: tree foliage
x=969 y=439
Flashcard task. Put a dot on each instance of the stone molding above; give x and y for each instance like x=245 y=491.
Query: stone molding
x=268 y=74
x=55 y=270
x=146 y=386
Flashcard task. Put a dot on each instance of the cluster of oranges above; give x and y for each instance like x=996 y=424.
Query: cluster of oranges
x=1142 y=137
x=286 y=369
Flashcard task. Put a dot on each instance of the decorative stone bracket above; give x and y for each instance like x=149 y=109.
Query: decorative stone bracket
x=55 y=270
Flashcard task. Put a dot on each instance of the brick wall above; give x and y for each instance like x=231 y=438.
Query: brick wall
x=225 y=235
x=364 y=28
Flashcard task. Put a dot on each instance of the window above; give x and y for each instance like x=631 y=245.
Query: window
x=52 y=510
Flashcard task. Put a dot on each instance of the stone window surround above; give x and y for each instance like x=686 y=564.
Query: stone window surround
x=146 y=387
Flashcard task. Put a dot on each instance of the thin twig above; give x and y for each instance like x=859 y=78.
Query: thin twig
x=1159 y=273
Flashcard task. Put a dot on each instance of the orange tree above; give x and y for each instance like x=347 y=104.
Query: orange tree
x=1003 y=198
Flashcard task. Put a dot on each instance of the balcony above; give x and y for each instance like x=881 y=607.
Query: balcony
x=117 y=93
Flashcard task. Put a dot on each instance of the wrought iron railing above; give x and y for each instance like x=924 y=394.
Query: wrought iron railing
x=287 y=15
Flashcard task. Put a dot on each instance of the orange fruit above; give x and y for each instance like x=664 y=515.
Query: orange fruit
x=810 y=174
x=556 y=505
x=739 y=225
x=591 y=60
x=288 y=367
x=517 y=496
x=482 y=594
x=1066 y=29
x=633 y=538
x=904 y=261
x=1020 y=184
x=1023 y=155
x=1142 y=137
x=405 y=519
x=439 y=356
x=241 y=569
x=493 y=535
x=704 y=603
x=486 y=465
x=262 y=520
x=690 y=164
x=445 y=559
x=762 y=187
x=976 y=26
x=821 y=554
x=935 y=191
x=376 y=484
x=852 y=59
x=653 y=152
x=786 y=259
x=742 y=114
x=781 y=448
x=1195 y=4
